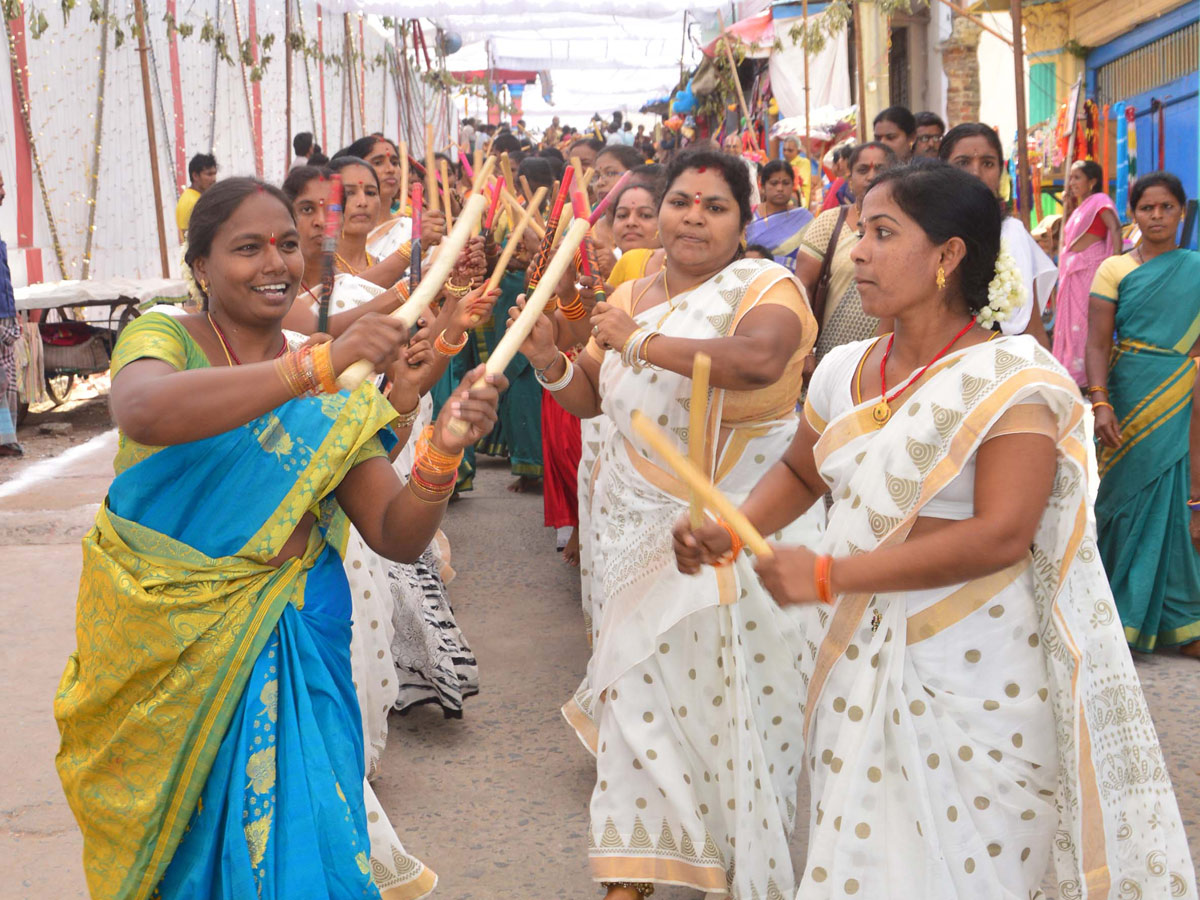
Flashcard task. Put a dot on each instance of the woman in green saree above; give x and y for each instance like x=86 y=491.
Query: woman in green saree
x=1141 y=390
x=211 y=741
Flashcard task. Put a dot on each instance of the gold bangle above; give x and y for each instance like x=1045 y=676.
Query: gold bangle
x=323 y=367
x=1096 y=403
x=1097 y=387
x=405 y=250
x=284 y=370
x=406 y=420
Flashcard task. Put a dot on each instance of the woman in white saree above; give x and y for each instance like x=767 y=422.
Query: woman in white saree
x=693 y=722
x=974 y=724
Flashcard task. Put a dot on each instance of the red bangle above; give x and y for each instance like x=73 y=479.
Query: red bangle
x=822 y=572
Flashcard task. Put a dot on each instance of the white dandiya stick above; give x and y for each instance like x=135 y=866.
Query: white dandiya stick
x=535 y=305
x=698 y=482
x=697 y=439
x=435 y=276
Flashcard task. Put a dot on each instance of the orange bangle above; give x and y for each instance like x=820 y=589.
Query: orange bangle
x=735 y=544
x=822 y=572
x=1096 y=403
x=445 y=348
x=323 y=367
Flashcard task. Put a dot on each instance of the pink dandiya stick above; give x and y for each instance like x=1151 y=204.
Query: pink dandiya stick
x=602 y=206
x=497 y=187
x=462 y=158
x=414 y=265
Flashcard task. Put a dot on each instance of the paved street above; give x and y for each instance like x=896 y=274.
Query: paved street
x=495 y=803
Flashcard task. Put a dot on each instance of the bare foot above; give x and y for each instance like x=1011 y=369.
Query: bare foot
x=525 y=484
x=571 y=551
x=1192 y=649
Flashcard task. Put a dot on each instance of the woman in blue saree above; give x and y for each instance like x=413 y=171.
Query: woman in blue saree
x=211 y=740
x=1141 y=390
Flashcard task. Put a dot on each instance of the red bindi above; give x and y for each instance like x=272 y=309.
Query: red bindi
x=702 y=169
x=696 y=200
x=272 y=239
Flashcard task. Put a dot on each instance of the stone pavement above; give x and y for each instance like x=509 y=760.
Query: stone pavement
x=495 y=803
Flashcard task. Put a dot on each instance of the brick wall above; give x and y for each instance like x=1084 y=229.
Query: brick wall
x=960 y=60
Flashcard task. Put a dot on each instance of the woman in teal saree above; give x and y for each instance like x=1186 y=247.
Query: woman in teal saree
x=211 y=740
x=1141 y=390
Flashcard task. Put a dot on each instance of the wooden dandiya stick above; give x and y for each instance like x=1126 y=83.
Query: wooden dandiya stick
x=414 y=263
x=430 y=170
x=698 y=482
x=439 y=270
x=333 y=219
x=562 y=227
x=476 y=161
x=539 y=223
x=554 y=226
x=528 y=191
x=697 y=418
x=507 y=169
x=535 y=305
x=403 y=195
x=514 y=241
x=577 y=166
x=588 y=174
x=514 y=208
x=445 y=170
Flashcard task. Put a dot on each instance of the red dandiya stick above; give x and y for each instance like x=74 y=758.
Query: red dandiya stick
x=497 y=187
x=333 y=217
x=543 y=254
x=602 y=206
x=414 y=266
x=585 y=257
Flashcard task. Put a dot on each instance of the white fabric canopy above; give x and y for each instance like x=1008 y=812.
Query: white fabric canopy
x=828 y=72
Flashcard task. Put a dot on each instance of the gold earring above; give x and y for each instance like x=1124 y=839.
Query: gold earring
x=941 y=279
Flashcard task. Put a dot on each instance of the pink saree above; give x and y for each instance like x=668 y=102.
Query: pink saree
x=1075 y=273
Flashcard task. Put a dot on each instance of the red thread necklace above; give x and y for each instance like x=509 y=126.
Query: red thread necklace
x=230 y=356
x=882 y=411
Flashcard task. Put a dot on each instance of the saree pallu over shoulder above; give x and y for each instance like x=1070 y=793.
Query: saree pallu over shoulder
x=176 y=603
x=1117 y=825
x=641 y=499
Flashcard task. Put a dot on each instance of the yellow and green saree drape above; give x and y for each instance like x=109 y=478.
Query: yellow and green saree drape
x=211 y=741
x=1141 y=507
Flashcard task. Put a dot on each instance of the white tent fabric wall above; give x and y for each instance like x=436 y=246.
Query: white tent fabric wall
x=828 y=71
x=64 y=83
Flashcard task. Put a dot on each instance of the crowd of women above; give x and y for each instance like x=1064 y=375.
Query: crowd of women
x=935 y=635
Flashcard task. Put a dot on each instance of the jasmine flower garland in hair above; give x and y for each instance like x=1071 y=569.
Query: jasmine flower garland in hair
x=189 y=277
x=1006 y=290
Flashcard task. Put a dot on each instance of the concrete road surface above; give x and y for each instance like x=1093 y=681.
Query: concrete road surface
x=495 y=803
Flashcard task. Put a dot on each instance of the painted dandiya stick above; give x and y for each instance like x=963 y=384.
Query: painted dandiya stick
x=414 y=263
x=697 y=439
x=535 y=305
x=467 y=167
x=554 y=226
x=602 y=206
x=333 y=219
x=698 y=482
x=431 y=285
x=430 y=170
x=403 y=194
x=445 y=170
x=586 y=255
x=493 y=204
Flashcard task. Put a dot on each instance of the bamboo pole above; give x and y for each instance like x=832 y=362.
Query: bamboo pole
x=962 y=11
x=807 y=114
x=737 y=82
x=287 y=74
x=98 y=133
x=1024 y=192
x=860 y=69
x=699 y=482
x=439 y=270
x=697 y=419
x=151 y=141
